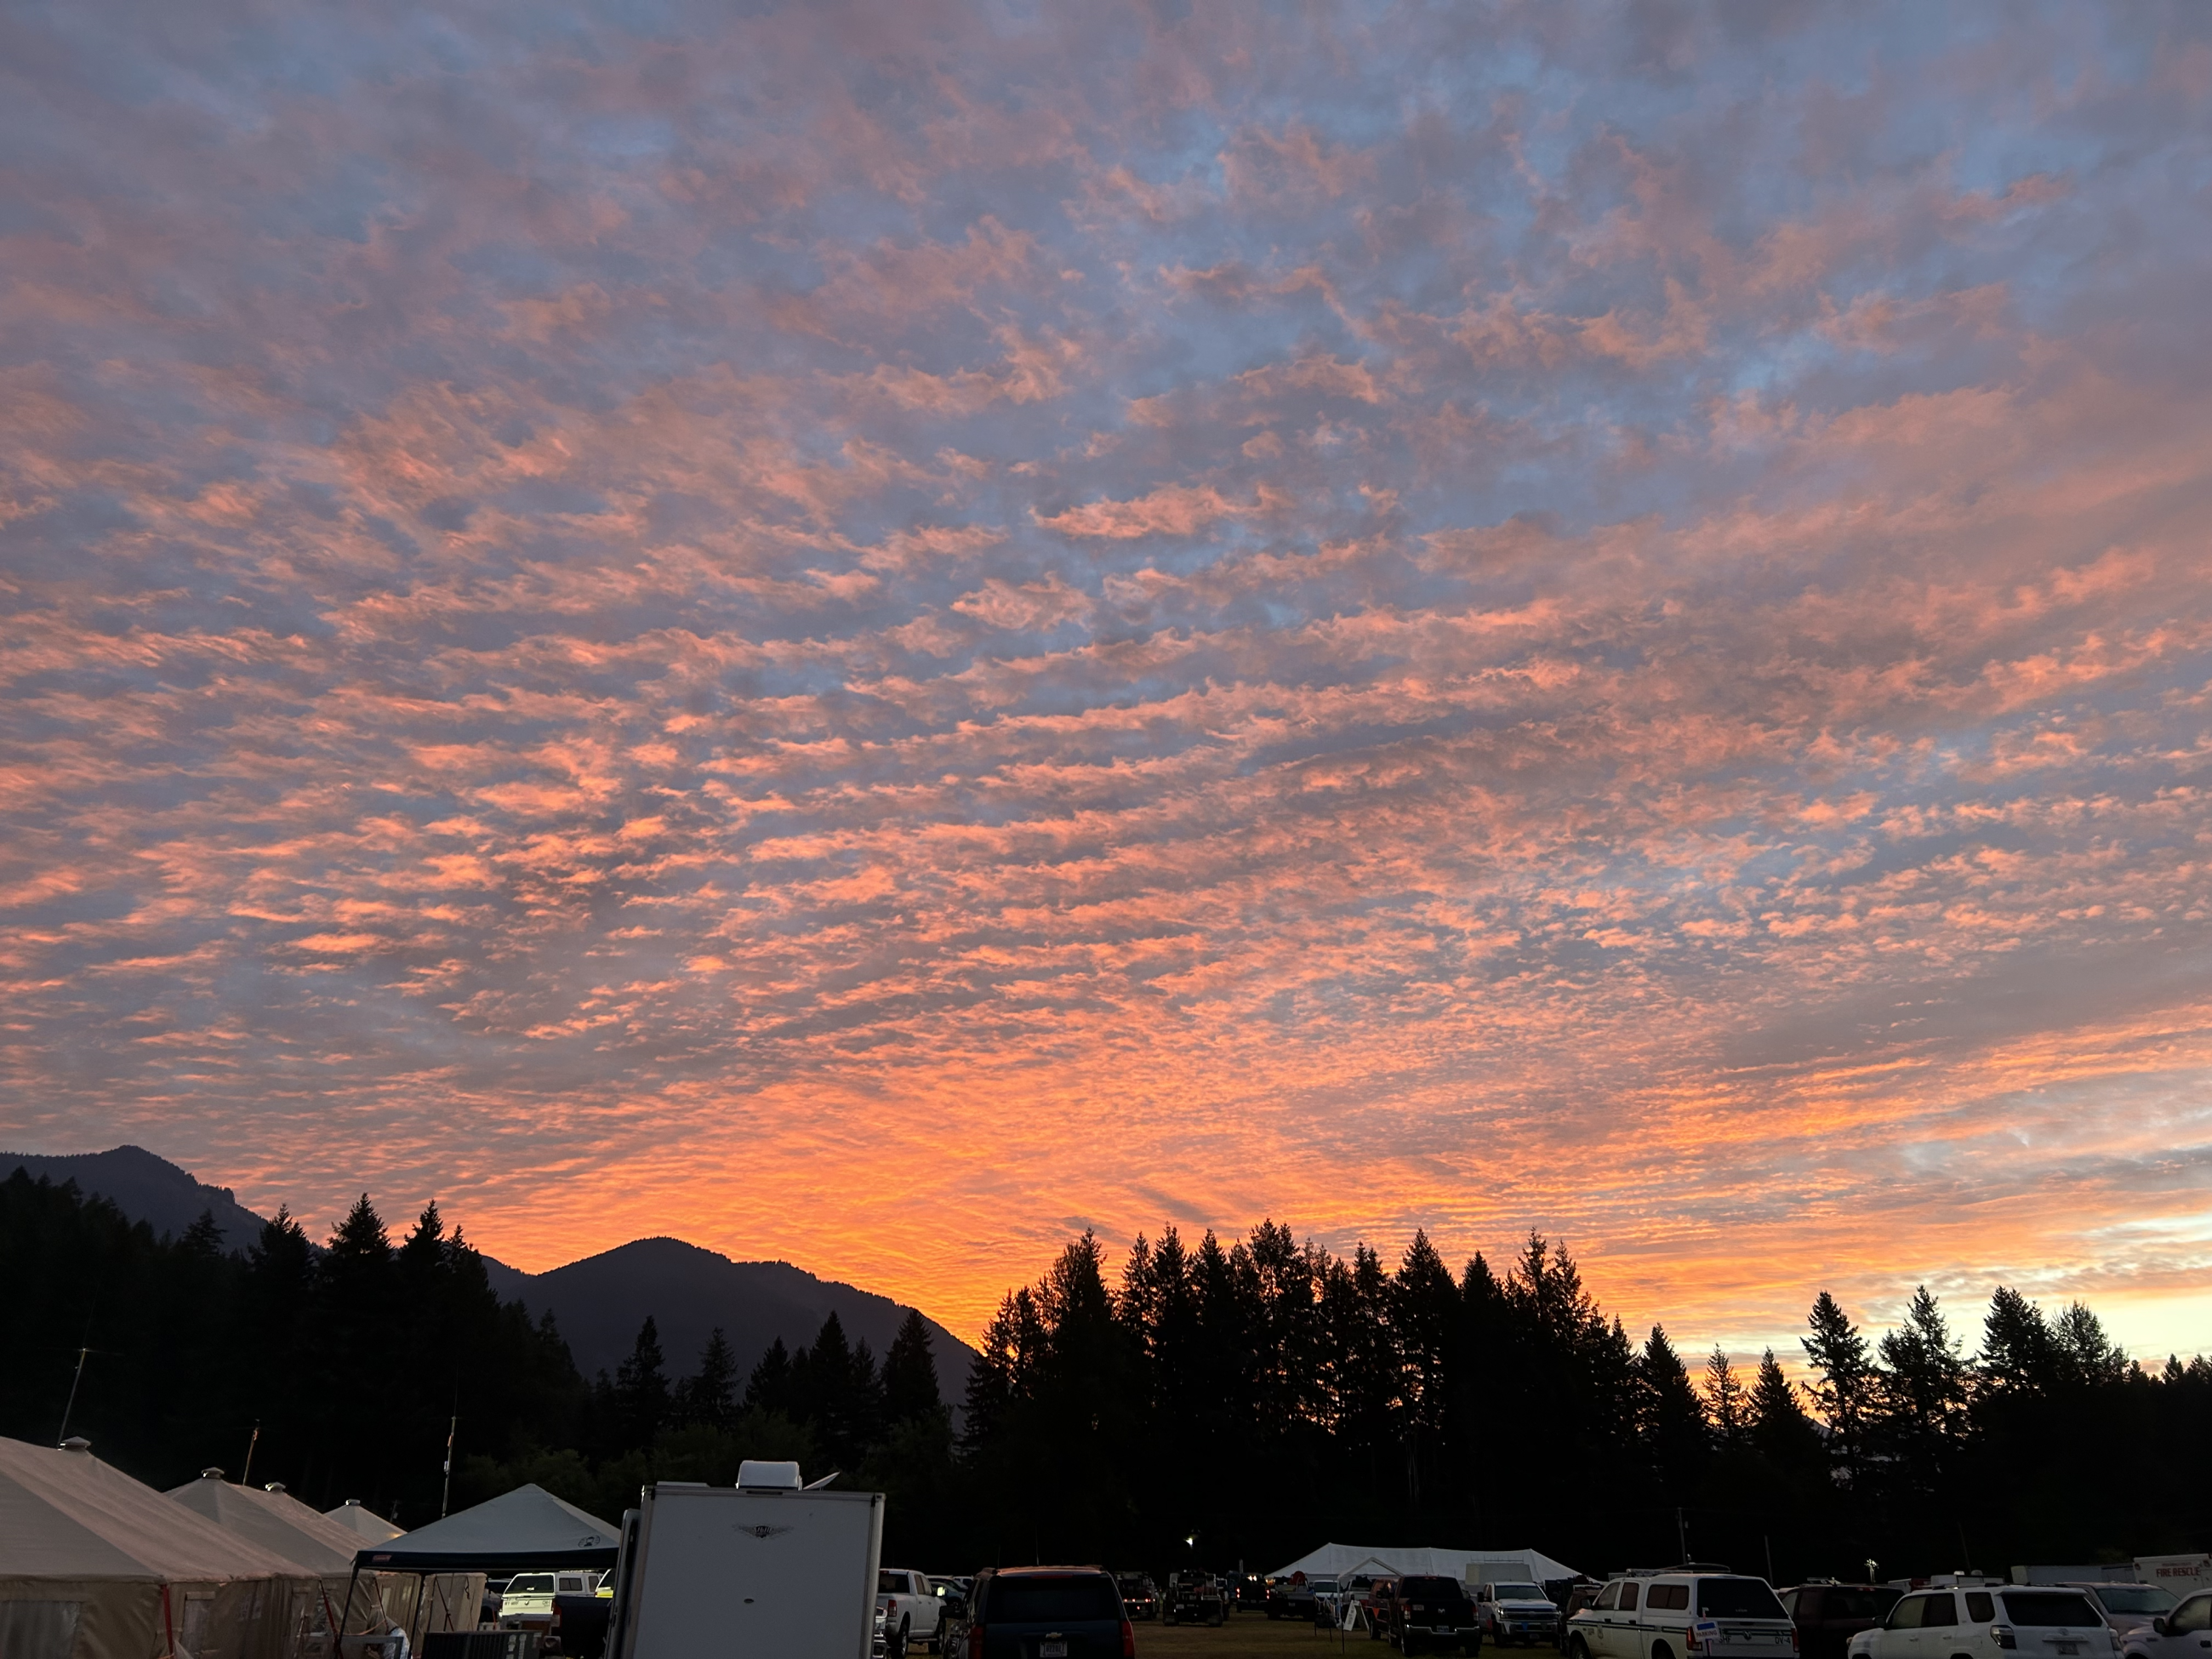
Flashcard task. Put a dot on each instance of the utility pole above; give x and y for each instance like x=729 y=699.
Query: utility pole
x=446 y=1497
x=1682 y=1536
x=69 y=1409
x=246 y=1479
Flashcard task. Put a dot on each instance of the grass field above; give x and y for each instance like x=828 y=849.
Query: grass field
x=1248 y=1636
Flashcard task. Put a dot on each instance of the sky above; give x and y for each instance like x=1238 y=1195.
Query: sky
x=876 y=634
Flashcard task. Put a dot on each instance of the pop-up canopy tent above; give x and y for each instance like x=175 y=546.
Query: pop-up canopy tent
x=1342 y=1561
x=95 y=1566
x=518 y=1531
x=526 y=1528
x=366 y=1526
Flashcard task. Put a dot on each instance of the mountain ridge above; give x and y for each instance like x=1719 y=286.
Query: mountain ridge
x=598 y=1301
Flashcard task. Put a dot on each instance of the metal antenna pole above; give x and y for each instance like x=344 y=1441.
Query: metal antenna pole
x=446 y=1497
x=246 y=1479
x=69 y=1410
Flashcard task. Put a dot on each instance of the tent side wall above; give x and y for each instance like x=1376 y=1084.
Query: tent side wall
x=97 y=1618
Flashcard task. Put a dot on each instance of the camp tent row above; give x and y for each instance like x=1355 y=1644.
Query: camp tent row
x=94 y=1564
x=1342 y=1561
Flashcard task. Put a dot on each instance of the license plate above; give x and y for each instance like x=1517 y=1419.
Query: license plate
x=1052 y=1650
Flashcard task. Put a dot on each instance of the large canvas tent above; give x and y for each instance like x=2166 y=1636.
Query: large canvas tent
x=366 y=1526
x=1342 y=1561
x=271 y=1517
x=521 y=1531
x=96 y=1566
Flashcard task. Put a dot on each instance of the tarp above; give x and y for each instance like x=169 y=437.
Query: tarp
x=96 y=1566
x=516 y=1532
x=1341 y=1561
x=365 y=1523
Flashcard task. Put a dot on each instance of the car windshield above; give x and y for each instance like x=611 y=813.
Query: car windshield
x=1737 y=1598
x=2061 y=1608
x=1434 y=1590
x=531 y=1583
x=1322 y=1586
x=1050 y=1600
x=2135 y=1598
x=1856 y=1603
x=1517 y=1593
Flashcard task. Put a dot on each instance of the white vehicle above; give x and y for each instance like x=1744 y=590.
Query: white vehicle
x=2006 y=1621
x=2185 y=1633
x=1516 y=1612
x=526 y=1603
x=764 y=1567
x=908 y=1610
x=1683 y=1615
x=2127 y=1607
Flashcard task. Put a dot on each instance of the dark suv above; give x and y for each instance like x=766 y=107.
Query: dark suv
x=1427 y=1611
x=1828 y=1615
x=1048 y=1612
x=1141 y=1597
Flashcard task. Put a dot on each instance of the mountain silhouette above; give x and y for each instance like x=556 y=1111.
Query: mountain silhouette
x=599 y=1302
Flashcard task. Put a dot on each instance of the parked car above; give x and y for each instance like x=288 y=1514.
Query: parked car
x=2185 y=1633
x=1141 y=1597
x=1989 y=1622
x=526 y=1603
x=1433 y=1612
x=1579 y=1595
x=1193 y=1598
x=908 y=1610
x=1290 y=1598
x=1673 y=1615
x=2128 y=1607
x=1048 y=1612
x=1248 y=1594
x=1828 y=1614
x=1516 y=1612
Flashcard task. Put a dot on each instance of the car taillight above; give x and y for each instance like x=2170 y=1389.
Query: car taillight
x=975 y=1641
x=2002 y=1636
x=1793 y=1639
x=1128 y=1640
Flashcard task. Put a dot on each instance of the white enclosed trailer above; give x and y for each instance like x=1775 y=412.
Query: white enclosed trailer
x=765 y=1570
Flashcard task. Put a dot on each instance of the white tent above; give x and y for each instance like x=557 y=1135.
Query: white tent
x=94 y=1566
x=1342 y=1561
x=365 y=1523
x=271 y=1517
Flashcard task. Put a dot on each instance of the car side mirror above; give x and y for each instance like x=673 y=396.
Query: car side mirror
x=2158 y=1625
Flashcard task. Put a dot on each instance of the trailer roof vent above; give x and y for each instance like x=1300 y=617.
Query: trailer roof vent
x=763 y=1475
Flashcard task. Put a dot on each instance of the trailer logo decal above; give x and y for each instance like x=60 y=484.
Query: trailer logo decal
x=764 y=1532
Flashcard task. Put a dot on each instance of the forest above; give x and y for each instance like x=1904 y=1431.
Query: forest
x=1191 y=1404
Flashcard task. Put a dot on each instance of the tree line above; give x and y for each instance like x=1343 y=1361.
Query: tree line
x=1197 y=1404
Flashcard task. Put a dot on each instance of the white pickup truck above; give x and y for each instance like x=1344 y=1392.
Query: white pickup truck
x=908 y=1610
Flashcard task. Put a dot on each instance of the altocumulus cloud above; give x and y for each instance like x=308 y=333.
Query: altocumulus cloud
x=872 y=632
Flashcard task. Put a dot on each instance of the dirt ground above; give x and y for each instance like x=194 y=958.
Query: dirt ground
x=1251 y=1635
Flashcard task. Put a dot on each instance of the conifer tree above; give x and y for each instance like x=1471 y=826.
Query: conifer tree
x=708 y=1396
x=768 y=1388
x=1845 y=1391
x=910 y=1373
x=1780 y=1429
x=1728 y=1407
x=1671 y=1421
x=640 y=1388
x=1922 y=1387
